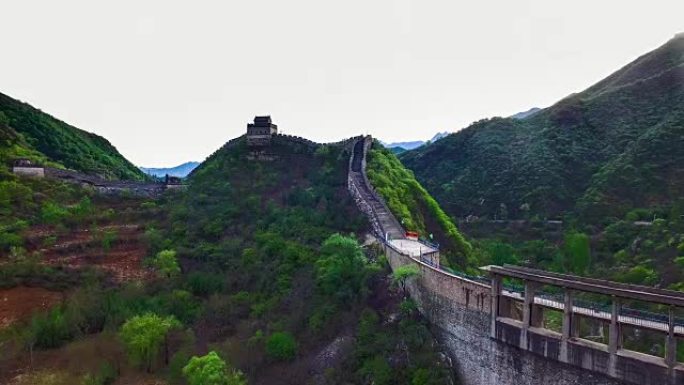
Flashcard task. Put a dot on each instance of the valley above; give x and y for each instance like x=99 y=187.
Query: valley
x=546 y=247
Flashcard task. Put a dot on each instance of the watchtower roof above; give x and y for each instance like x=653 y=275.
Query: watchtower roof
x=262 y=120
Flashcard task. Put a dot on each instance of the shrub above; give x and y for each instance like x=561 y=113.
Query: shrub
x=321 y=316
x=204 y=284
x=211 y=370
x=403 y=274
x=53 y=213
x=108 y=237
x=51 y=329
x=182 y=305
x=106 y=375
x=281 y=346
x=500 y=253
x=166 y=263
x=9 y=240
x=83 y=209
x=376 y=371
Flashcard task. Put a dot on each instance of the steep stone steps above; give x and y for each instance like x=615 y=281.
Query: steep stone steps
x=383 y=221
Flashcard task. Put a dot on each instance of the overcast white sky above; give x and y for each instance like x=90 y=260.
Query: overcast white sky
x=170 y=81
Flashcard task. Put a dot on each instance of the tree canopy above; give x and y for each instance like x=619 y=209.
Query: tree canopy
x=144 y=335
x=210 y=369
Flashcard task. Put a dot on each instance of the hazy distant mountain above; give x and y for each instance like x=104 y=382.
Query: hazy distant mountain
x=181 y=171
x=405 y=146
x=525 y=114
x=439 y=136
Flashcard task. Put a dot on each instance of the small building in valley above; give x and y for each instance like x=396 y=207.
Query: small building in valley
x=261 y=131
x=28 y=168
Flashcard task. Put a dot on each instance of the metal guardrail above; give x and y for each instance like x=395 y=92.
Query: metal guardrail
x=434 y=245
x=637 y=317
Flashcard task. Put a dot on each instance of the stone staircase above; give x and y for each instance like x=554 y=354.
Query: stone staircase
x=384 y=223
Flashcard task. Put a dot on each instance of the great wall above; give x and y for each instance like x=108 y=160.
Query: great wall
x=494 y=333
x=24 y=167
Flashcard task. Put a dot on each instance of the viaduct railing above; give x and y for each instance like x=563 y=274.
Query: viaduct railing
x=518 y=311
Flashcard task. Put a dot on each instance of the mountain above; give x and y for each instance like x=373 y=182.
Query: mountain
x=30 y=133
x=180 y=171
x=617 y=146
x=267 y=233
x=525 y=114
x=405 y=145
x=439 y=136
x=412 y=145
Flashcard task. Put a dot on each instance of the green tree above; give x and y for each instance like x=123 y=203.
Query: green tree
x=341 y=270
x=166 y=263
x=403 y=274
x=144 y=335
x=281 y=346
x=501 y=253
x=211 y=370
x=577 y=252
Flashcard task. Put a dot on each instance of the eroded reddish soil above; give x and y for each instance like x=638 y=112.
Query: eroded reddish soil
x=122 y=257
x=114 y=245
x=18 y=303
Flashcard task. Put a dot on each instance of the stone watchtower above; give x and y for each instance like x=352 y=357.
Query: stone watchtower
x=260 y=132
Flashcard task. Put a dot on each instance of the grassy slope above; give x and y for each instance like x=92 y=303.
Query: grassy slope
x=410 y=202
x=593 y=152
x=27 y=131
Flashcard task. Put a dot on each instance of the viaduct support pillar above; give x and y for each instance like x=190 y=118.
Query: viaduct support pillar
x=496 y=293
x=567 y=327
x=613 y=337
x=671 y=346
x=527 y=312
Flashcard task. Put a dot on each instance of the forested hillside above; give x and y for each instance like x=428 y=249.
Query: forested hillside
x=30 y=133
x=615 y=147
x=255 y=273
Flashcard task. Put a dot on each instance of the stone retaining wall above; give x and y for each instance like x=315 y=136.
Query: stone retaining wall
x=459 y=312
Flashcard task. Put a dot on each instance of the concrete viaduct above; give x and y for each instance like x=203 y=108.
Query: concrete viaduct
x=495 y=330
